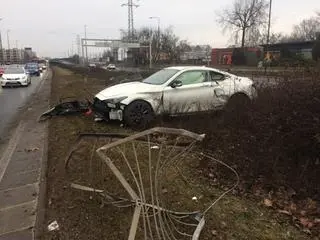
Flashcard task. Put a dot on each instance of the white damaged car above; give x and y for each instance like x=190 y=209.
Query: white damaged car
x=172 y=91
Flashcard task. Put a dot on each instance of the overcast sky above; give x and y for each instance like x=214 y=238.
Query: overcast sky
x=50 y=26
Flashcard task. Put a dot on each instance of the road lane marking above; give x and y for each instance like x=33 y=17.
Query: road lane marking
x=19 y=187
x=18 y=205
x=6 y=157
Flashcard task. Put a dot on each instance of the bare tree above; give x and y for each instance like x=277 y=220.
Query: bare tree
x=143 y=35
x=258 y=36
x=183 y=47
x=169 y=43
x=244 y=15
x=306 y=30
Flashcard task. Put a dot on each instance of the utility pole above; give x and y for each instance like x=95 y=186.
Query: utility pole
x=86 y=47
x=72 y=49
x=1 y=49
x=9 y=55
x=78 y=45
x=150 y=50
x=82 y=48
x=269 y=23
x=268 y=34
x=131 y=31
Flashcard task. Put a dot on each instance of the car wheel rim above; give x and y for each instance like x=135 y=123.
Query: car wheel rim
x=139 y=113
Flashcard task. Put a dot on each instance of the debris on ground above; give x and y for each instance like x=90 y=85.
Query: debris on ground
x=67 y=108
x=32 y=149
x=53 y=226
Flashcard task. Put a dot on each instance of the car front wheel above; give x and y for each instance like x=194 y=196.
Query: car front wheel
x=138 y=114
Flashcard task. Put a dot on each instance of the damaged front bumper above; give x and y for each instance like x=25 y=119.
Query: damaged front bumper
x=108 y=110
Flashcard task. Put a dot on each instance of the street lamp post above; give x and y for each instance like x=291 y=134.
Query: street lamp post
x=8 y=39
x=86 y=47
x=9 y=55
x=150 y=50
x=158 y=20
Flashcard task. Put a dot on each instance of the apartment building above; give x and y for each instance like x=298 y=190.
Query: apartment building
x=13 y=56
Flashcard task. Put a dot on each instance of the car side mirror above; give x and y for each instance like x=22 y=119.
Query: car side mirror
x=176 y=84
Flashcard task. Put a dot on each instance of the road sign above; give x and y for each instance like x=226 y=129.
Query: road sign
x=116 y=44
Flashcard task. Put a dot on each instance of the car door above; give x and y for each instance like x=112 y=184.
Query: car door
x=222 y=87
x=193 y=94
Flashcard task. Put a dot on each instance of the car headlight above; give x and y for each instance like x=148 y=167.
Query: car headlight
x=24 y=77
x=116 y=100
x=112 y=102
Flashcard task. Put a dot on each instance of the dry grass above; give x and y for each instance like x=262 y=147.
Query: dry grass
x=84 y=216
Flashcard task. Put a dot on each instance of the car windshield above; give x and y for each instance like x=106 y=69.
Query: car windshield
x=14 y=71
x=31 y=66
x=160 y=77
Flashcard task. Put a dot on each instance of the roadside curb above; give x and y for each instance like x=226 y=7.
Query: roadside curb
x=41 y=206
x=23 y=170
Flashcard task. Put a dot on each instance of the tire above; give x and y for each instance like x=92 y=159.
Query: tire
x=138 y=114
x=237 y=109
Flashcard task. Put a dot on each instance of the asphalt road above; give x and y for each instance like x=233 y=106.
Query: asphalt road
x=11 y=99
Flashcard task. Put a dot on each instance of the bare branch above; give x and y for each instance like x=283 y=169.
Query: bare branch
x=244 y=15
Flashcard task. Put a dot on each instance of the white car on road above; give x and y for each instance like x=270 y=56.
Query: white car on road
x=111 y=67
x=172 y=91
x=15 y=76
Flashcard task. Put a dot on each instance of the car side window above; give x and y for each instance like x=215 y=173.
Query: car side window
x=214 y=76
x=192 y=77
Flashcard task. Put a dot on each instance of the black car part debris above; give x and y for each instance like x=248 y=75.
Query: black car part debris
x=67 y=108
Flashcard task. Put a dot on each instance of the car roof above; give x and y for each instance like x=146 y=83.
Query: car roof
x=183 y=68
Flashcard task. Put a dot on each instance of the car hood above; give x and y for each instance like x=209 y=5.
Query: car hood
x=127 y=89
x=14 y=75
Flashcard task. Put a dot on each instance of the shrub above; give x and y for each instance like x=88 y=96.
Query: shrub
x=316 y=50
x=279 y=143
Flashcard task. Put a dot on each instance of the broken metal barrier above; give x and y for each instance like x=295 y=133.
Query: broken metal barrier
x=145 y=164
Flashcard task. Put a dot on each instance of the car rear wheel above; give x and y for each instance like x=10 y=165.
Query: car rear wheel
x=139 y=114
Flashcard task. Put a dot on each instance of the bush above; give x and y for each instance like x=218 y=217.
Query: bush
x=280 y=142
x=316 y=50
